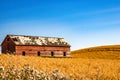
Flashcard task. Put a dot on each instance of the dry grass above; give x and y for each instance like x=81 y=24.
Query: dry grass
x=100 y=52
x=84 y=69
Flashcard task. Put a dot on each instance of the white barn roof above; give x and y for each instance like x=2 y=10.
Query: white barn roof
x=38 y=40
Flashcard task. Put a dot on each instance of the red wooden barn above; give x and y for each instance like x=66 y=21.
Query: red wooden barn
x=35 y=46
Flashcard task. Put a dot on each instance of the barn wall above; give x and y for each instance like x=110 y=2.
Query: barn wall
x=8 y=46
x=44 y=50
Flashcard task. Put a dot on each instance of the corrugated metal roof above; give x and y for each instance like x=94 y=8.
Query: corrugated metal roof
x=38 y=40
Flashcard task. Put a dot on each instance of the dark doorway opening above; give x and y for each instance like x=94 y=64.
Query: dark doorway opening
x=52 y=53
x=38 y=54
x=64 y=53
x=23 y=53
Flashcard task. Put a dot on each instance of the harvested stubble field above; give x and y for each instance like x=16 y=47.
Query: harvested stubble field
x=78 y=68
x=101 y=52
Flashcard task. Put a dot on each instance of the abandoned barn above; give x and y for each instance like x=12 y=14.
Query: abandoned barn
x=35 y=46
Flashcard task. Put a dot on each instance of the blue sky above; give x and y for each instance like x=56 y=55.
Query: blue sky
x=83 y=23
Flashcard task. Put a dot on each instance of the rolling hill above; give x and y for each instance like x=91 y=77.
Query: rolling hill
x=98 y=52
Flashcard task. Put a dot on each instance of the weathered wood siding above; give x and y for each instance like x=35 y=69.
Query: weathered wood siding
x=8 y=46
x=43 y=50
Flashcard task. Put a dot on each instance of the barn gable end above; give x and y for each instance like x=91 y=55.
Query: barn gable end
x=8 y=45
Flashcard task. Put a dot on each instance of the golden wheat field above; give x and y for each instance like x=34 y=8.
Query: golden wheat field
x=84 y=69
x=100 y=52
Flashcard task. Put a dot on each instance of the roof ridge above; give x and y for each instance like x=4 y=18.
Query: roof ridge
x=33 y=36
